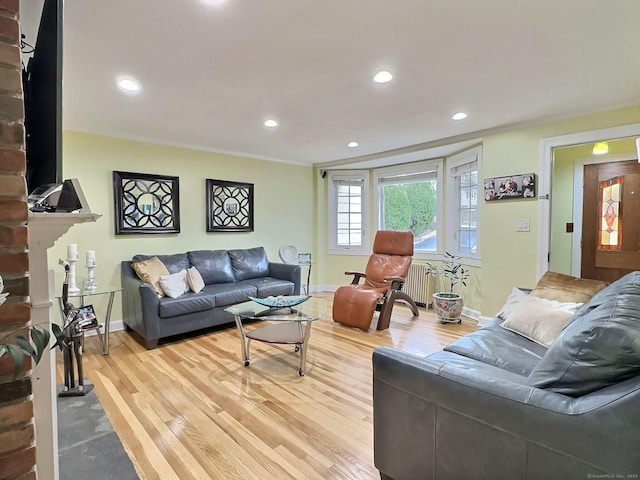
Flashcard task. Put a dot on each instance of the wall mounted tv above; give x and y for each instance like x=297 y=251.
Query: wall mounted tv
x=42 y=84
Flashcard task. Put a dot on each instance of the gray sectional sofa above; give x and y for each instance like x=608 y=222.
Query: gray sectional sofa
x=230 y=277
x=495 y=405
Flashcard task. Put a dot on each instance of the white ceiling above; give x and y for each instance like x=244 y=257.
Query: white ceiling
x=212 y=75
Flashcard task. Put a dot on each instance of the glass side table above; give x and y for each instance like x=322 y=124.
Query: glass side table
x=108 y=290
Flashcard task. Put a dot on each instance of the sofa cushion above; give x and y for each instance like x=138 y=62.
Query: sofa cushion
x=187 y=303
x=268 y=286
x=149 y=270
x=538 y=320
x=600 y=347
x=230 y=293
x=214 y=265
x=565 y=288
x=249 y=263
x=175 y=284
x=174 y=262
x=500 y=347
x=194 y=280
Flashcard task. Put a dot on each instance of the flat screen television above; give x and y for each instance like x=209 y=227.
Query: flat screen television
x=42 y=85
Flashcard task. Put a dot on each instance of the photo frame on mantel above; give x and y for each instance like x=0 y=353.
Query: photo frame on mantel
x=229 y=206
x=146 y=203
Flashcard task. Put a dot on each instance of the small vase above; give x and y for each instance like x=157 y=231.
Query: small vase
x=448 y=307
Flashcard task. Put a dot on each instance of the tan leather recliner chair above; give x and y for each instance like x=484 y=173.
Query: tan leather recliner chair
x=384 y=276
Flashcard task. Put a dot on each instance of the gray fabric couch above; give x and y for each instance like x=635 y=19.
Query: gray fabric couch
x=495 y=405
x=230 y=277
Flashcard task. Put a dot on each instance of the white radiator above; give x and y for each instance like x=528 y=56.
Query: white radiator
x=419 y=286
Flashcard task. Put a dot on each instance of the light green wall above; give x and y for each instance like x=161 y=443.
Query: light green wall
x=290 y=206
x=509 y=258
x=284 y=203
x=564 y=162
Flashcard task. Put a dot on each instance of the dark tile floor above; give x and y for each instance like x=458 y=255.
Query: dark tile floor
x=87 y=445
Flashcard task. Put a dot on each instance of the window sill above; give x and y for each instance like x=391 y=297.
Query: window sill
x=348 y=251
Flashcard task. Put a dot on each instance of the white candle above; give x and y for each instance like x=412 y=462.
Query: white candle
x=91 y=258
x=72 y=251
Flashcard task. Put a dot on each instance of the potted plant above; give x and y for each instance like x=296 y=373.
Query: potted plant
x=34 y=347
x=452 y=276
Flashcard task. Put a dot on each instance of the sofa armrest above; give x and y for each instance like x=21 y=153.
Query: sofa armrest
x=421 y=404
x=140 y=304
x=286 y=271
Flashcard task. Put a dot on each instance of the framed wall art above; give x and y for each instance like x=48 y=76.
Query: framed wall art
x=510 y=186
x=146 y=203
x=229 y=206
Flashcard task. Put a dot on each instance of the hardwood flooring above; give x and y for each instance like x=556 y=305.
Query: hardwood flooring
x=190 y=409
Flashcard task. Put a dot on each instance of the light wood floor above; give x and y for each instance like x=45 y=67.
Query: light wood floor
x=190 y=409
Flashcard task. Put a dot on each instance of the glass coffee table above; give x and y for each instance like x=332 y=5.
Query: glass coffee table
x=292 y=325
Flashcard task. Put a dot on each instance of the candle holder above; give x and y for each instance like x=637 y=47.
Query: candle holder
x=73 y=288
x=90 y=283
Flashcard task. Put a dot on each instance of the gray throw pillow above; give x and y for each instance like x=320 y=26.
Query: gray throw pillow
x=600 y=347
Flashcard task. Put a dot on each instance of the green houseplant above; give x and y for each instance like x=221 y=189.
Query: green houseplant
x=451 y=276
x=34 y=346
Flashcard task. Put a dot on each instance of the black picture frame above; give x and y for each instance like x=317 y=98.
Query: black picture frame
x=521 y=185
x=229 y=206
x=146 y=203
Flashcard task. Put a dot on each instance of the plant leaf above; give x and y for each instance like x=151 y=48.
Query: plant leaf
x=17 y=354
x=57 y=331
x=26 y=347
x=40 y=337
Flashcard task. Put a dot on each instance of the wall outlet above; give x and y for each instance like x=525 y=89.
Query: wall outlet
x=522 y=225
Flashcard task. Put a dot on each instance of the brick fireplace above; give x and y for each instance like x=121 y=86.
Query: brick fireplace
x=17 y=433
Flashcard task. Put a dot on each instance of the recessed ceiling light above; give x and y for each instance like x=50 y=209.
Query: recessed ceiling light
x=214 y=3
x=459 y=116
x=271 y=123
x=383 y=77
x=128 y=85
x=352 y=144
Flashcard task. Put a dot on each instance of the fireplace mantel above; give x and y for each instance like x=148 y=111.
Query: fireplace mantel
x=44 y=230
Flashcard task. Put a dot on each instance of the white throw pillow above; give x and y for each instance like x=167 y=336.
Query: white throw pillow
x=174 y=285
x=538 y=321
x=513 y=300
x=194 y=279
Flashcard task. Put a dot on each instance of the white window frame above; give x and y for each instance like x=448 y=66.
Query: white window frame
x=334 y=248
x=453 y=203
x=435 y=165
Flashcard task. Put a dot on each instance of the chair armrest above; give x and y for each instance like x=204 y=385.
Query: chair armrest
x=356 y=276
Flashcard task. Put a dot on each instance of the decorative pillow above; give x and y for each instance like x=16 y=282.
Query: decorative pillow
x=597 y=349
x=194 y=279
x=565 y=288
x=150 y=271
x=513 y=300
x=174 y=285
x=539 y=321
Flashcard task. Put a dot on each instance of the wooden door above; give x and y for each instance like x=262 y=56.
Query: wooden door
x=611 y=220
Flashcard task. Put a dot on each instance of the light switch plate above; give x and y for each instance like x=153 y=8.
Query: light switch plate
x=522 y=225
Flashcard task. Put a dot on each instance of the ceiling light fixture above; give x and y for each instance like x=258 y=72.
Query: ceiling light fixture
x=271 y=123
x=383 y=77
x=352 y=144
x=128 y=85
x=214 y=3
x=600 y=148
x=459 y=116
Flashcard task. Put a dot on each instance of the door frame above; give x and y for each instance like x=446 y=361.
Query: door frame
x=578 y=186
x=546 y=168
